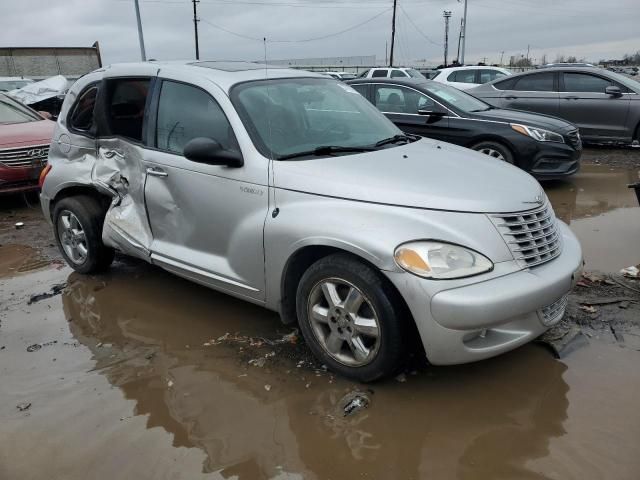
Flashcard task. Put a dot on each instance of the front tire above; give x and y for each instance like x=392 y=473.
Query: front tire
x=351 y=318
x=77 y=223
x=495 y=150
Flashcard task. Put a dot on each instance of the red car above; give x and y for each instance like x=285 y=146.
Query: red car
x=25 y=136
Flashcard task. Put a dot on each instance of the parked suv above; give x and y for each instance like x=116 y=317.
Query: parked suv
x=464 y=78
x=292 y=191
x=24 y=143
x=391 y=72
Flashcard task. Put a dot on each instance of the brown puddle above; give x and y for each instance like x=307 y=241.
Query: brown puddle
x=521 y=415
x=16 y=259
x=602 y=212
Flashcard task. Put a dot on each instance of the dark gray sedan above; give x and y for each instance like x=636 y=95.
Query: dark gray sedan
x=604 y=105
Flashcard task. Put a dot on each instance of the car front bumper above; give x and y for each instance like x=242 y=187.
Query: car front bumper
x=483 y=319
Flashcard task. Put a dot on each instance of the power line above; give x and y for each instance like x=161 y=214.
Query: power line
x=418 y=29
x=304 y=40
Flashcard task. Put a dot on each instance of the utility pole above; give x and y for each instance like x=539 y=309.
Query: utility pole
x=386 y=51
x=195 y=26
x=501 y=56
x=528 y=47
x=447 y=15
x=143 y=54
x=393 y=32
x=459 y=40
x=463 y=33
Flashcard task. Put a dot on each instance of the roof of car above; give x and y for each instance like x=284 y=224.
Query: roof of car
x=471 y=67
x=224 y=73
x=408 y=81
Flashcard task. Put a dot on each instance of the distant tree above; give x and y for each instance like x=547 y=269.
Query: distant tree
x=543 y=59
x=572 y=59
x=560 y=59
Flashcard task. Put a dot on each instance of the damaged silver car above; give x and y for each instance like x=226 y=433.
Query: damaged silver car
x=290 y=190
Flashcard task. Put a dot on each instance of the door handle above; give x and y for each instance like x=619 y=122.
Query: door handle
x=510 y=97
x=156 y=172
x=571 y=98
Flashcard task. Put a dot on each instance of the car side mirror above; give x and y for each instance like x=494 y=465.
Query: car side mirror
x=209 y=151
x=613 y=90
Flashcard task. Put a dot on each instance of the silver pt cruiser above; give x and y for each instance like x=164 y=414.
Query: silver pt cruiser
x=291 y=191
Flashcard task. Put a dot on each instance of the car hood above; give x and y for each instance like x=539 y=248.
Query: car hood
x=26 y=134
x=526 y=118
x=424 y=174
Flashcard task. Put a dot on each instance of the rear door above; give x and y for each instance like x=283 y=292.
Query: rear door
x=401 y=105
x=584 y=102
x=207 y=220
x=535 y=92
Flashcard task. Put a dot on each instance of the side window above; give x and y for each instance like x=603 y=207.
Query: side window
x=583 y=82
x=395 y=73
x=396 y=99
x=186 y=112
x=505 y=84
x=537 y=82
x=81 y=117
x=463 y=76
x=361 y=89
x=489 y=75
x=125 y=106
x=379 y=73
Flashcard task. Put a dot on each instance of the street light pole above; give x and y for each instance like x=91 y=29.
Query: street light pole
x=143 y=54
x=195 y=27
x=447 y=15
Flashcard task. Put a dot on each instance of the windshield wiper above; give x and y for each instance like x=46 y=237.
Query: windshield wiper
x=325 y=150
x=396 y=139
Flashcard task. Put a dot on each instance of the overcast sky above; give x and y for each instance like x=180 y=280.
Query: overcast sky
x=592 y=29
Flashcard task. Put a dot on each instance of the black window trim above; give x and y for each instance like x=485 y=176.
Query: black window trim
x=92 y=132
x=151 y=134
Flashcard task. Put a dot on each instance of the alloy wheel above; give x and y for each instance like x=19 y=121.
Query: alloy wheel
x=72 y=237
x=344 y=322
x=492 y=153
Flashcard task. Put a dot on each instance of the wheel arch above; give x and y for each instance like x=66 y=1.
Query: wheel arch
x=305 y=256
x=496 y=139
x=79 y=190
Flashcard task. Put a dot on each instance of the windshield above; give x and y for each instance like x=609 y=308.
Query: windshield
x=8 y=85
x=414 y=73
x=457 y=98
x=13 y=112
x=285 y=117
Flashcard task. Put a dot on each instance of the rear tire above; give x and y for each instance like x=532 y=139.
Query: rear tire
x=351 y=318
x=77 y=224
x=495 y=150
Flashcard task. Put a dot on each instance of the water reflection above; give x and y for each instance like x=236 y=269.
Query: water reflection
x=146 y=329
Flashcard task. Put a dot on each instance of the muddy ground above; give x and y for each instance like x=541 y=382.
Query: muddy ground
x=139 y=374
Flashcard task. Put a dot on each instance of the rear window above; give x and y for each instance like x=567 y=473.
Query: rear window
x=81 y=117
x=462 y=76
x=125 y=106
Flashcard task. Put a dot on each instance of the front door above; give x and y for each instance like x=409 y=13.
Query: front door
x=583 y=101
x=402 y=104
x=206 y=220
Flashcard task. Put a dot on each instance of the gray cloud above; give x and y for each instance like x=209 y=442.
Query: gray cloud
x=592 y=29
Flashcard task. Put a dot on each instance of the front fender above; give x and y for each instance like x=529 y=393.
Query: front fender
x=367 y=230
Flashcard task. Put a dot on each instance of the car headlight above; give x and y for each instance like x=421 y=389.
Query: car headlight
x=538 y=134
x=440 y=260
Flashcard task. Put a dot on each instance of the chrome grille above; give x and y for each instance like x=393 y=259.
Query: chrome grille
x=552 y=314
x=532 y=236
x=574 y=139
x=33 y=156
